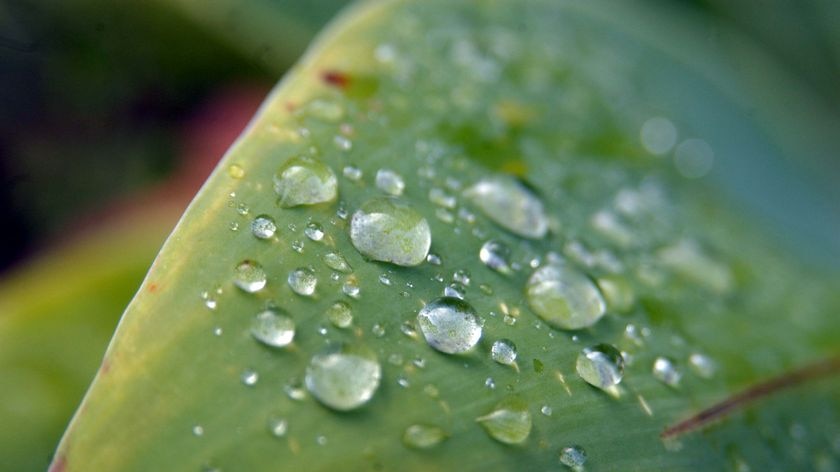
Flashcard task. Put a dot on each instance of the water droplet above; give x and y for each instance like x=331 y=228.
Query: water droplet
x=546 y=410
x=600 y=366
x=455 y=290
x=303 y=281
x=302 y=181
x=408 y=329
x=198 y=430
x=209 y=300
x=278 y=427
x=337 y=262
x=658 y=135
x=378 y=330
x=351 y=288
x=573 y=457
x=403 y=382
x=343 y=376
x=449 y=325
x=490 y=383
x=510 y=205
x=340 y=314
x=386 y=230
x=325 y=110
x=294 y=390
x=236 y=171
x=496 y=255
x=343 y=143
x=564 y=297
x=242 y=209
x=218 y=331
x=273 y=327
x=694 y=158
x=434 y=259
x=462 y=276
x=353 y=173
x=442 y=199
x=263 y=227
x=666 y=372
x=617 y=292
x=503 y=351
x=395 y=359
x=385 y=280
x=702 y=365
x=509 y=422
x=249 y=276
x=250 y=377
x=422 y=436
x=509 y=320
x=314 y=231
x=390 y=182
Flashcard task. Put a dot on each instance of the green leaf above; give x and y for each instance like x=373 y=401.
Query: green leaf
x=515 y=127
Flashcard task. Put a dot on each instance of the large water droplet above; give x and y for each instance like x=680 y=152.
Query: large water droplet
x=573 y=457
x=421 y=436
x=337 y=262
x=263 y=227
x=509 y=422
x=449 y=325
x=249 y=276
x=386 y=230
x=343 y=376
x=303 y=181
x=510 y=205
x=273 y=327
x=600 y=366
x=303 y=281
x=496 y=255
x=503 y=351
x=666 y=372
x=340 y=314
x=564 y=297
x=390 y=182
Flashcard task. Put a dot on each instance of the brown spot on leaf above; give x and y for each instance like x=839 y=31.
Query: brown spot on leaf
x=336 y=78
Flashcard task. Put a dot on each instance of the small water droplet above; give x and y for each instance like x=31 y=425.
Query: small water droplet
x=702 y=365
x=509 y=320
x=209 y=300
x=510 y=205
x=573 y=457
x=666 y=372
x=439 y=197
x=386 y=230
x=403 y=382
x=496 y=255
x=395 y=359
x=422 y=436
x=243 y=209
x=486 y=289
x=250 y=377
x=462 y=276
x=449 y=325
x=546 y=410
x=337 y=262
x=434 y=259
x=419 y=362
x=263 y=227
x=249 y=276
x=297 y=246
x=314 y=231
x=340 y=314
x=325 y=110
x=390 y=182
x=503 y=351
x=658 y=135
x=508 y=423
x=378 y=330
x=217 y=331
x=343 y=143
x=601 y=366
x=273 y=327
x=564 y=297
x=343 y=376
x=236 y=171
x=198 y=430
x=351 y=288
x=455 y=290
x=278 y=427
x=385 y=280
x=303 y=181
x=294 y=390
x=353 y=173
x=407 y=328
x=303 y=281
x=490 y=383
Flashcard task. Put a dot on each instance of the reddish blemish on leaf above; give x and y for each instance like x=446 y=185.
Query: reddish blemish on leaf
x=105 y=367
x=59 y=464
x=290 y=106
x=336 y=78
x=153 y=288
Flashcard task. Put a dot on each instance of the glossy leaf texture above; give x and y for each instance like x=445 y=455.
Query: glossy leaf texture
x=567 y=169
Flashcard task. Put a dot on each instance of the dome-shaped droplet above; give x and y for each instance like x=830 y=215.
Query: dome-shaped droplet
x=449 y=325
x=618 y=293
x=600 y=366
x=666 y=372
x=390 y=182
x=273 y=327
x=303 y=181
x=510 y=205
x=314 y=231
x=340 y=314
x=263 y=227
x=702 y=365
x=337 y=262
x=422 y=436
x=564 y=297
x=249 y=276
x=509 y=422
x=303 y=281
x=249 y=377
x=503 y=351
x=573 y=457
x=386 y=230
x=496 y=255
x=343 y=376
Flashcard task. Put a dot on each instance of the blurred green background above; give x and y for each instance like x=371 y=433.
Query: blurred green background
x=113 y=113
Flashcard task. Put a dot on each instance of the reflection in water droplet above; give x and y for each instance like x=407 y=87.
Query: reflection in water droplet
x=250 y=377
x=510 y=205
x=390 y=182
x=666 y=372
x=449 y=325
x=340 y=314
x=273 y=327
x=386 y=230
x=509 y=422
x=303 y=281
x=503 y=351
x=314 y=231
x=702 y=365
x=573 y=457
x=422 y=436
x=302 y=181
x=343 y=376
x=337 y=262
x=658 y=135
x=263 y=227
x=564 y=297
x=496 y=255
x=249 y=276
x=600 y=366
